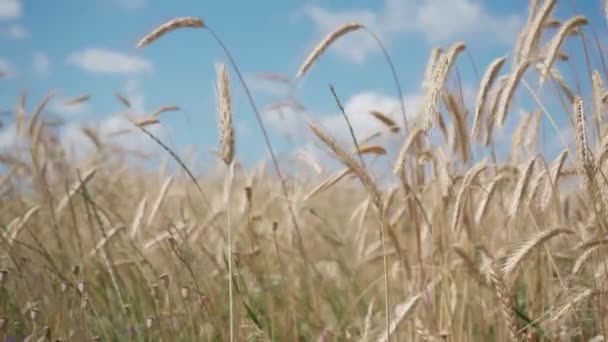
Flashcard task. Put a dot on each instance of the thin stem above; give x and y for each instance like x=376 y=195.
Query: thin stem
x=350 y=127
x=230 y=294
x=394 y=74
x=274 y=160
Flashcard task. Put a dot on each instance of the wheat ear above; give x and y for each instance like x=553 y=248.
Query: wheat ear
x=596 y=95
x=556 y=42
x=506 y=303
x=350 y=162
x=525 y=248
x=169 y=26
x=464 y=191
x=481 y=210
x=507 y=94
x=585 y=158
x=77 y=100
x=430 y=67
x=482 y=95
x=535 y=28
x=440 y=75
x=388 y=122
x=224 y=109
x=554 y=177
x=324 y=44
x=520 y=189
x=165 y=109
x=398 y=166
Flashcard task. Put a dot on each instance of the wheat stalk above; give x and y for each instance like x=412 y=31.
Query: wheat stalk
x=554 y=177
x=174 y=24
x=327 y=183
x=532 y=132
x=481 y=210
x=139 y=214
x=493 y=105
x=354 y=166
x=520 y=189
x=509 y=90
x=384 y=119
x=430 y=67
x=560 y=36
x=464 y=191
x=523 y=249
x=122 y=99
x=146 y=121
x=535 y=28
x=159 y=200
x=372 y=149
x=506 y=303
x=225 y=114
x=518 y=135
x=324 y=44
x=458 y=115
x=571 y=303
x=586 y=250
x=597 y=88
x=440 y=75
x=165 y=109
x=482 y=95
x=585 y=158
x=77 y=100
x=557 y=76
x=398 y=166
x=38 y=111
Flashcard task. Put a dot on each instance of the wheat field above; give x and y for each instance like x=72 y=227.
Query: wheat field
x=452 y=245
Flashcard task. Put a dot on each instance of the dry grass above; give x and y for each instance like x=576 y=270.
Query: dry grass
x=106 y=248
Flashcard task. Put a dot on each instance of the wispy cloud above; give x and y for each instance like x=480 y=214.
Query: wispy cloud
x=436 y=21
x=10 y=9
x=102 y=61
x=42 y=63
x=15 y=32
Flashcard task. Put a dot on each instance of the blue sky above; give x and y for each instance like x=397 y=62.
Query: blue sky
x=88 y=47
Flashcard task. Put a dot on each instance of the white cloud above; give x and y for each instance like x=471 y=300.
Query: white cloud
x=10 y=9
x=295 y=124
x=437 y=21
x=358 y=109
x=441 y=21
x=130 y=4
x=42 y=63
x=15 y=32
x=6 y=69
x=95 y=60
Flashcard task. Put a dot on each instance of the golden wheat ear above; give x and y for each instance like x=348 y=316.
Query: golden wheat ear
x=324 y=44
x=224 y=107
x=171 y=25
